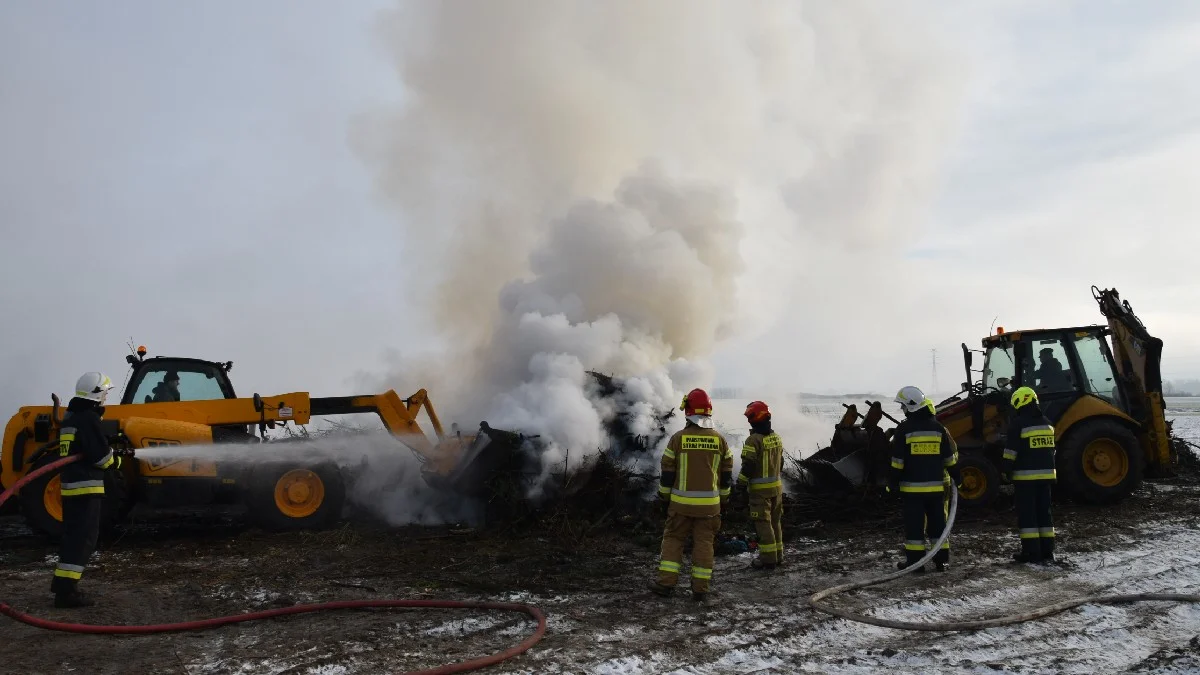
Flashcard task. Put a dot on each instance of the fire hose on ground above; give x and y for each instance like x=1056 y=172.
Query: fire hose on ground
x=463 y=666
x=815 y=600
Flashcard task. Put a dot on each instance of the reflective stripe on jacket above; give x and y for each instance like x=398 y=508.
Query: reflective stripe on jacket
x=924 y=455
x=762 y=464
x=1029 y=446
x=81 y=433
x=697 y=471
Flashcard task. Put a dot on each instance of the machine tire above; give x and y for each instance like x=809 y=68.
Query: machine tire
x=43 y=512
x=1100 y=462
x=317 y=503
x=981 y=481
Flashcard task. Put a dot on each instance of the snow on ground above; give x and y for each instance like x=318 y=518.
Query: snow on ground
x=785 y=636
x=781 y=634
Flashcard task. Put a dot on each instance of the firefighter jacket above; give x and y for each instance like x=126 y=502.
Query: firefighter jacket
x=82 y=434
x=697 y=471
x=1029 y=446
x=923 y=454
x=762 y=462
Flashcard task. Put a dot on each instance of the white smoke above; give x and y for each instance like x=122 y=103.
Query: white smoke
x=621 y=186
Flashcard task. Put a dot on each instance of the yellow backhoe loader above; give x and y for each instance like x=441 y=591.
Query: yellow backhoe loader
x=285 y=486
x=1104 y=400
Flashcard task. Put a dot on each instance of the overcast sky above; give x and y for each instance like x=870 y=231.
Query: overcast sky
x=180 y=174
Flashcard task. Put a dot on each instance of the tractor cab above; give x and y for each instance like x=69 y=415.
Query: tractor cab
x=1061 y=365
x=163 y=379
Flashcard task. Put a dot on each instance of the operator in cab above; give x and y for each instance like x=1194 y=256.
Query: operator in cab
x=168 y=389
x=1050 y=374
x=924 y=455
x=82 y=485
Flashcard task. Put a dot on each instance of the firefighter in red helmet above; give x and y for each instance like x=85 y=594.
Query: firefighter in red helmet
x=762 y=464
x=696 y=479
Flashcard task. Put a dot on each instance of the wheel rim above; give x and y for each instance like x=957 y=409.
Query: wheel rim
x=974 y=483
x=1105 y=462
x=52 y=498
x=299 y=493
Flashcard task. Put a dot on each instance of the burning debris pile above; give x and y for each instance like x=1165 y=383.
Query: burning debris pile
x=616 y=479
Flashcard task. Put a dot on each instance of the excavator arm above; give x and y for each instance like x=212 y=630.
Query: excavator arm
x=1139 y=354
x=1138 y=357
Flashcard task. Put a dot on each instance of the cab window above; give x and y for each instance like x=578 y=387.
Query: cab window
x=180 y=384
x=998 y=368
x=1097 y=367
x=1051 y=369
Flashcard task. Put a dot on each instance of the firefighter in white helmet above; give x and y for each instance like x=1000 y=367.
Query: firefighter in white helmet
x=923 y=453
x=81 y=433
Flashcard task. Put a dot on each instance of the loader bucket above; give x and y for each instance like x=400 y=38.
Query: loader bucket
x=481 y=458
x=858 y=454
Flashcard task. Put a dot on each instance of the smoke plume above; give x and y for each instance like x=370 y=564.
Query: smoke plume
x=623 y=186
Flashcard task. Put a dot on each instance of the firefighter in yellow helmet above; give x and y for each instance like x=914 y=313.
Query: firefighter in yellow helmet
x=696 y=479
x=923 y=453
x=762 y=464
x=1029 y=463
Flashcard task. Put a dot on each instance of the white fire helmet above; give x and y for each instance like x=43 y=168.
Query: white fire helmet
x=912 y=399
x=93 y=386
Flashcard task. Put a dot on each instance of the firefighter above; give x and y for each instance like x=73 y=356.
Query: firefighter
x=923 y=456
x=1029 y=463
x=82 y=485
x=696 y=480
x=762 y=461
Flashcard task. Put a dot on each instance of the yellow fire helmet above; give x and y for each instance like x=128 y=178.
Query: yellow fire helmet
x=1022 y=397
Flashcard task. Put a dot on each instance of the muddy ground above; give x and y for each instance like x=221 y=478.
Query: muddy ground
x=590 y=579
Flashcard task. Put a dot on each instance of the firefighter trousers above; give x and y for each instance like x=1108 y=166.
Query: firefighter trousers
x=924 y=516
x=703 y=530
x=767 y=514
x=1034 y=522
x=81 y=529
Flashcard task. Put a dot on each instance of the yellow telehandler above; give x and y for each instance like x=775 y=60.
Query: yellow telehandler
x=283 y=485
x=1104 y=400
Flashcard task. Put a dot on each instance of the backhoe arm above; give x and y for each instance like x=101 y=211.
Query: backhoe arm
x=1139 y=360
x=1139 y=354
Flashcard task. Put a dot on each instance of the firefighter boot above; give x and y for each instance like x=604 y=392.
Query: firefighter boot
x=69 y=597
x=760 y=564
x=905 y=563
x=659 y=589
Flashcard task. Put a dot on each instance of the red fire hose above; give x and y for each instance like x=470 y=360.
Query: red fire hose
x=461 y=667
